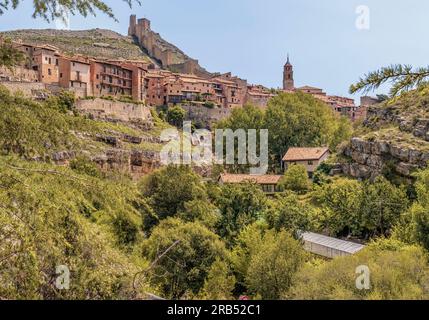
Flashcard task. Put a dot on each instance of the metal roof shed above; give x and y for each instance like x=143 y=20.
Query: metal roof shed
x=329 y=247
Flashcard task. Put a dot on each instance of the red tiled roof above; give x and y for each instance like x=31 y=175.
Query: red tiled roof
x=258 y=179
x=299 y=154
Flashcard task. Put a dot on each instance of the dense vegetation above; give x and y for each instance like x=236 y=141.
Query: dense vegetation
x=293 y=120
x=175 y=235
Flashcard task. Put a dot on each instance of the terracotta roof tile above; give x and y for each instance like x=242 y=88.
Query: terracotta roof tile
x=298 y=154
x=258 y=179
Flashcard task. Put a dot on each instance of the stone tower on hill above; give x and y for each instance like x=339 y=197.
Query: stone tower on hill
x=166 y=54
x=288 y=82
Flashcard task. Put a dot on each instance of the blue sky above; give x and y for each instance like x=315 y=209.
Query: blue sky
x=251 y=38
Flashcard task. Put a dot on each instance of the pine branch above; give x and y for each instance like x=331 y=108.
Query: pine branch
x=402 y=77
x=50 y=10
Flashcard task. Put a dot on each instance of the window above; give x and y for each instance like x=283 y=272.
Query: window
x=98 y=76
x=61 y=75
x=310 y=163
x=50 y=72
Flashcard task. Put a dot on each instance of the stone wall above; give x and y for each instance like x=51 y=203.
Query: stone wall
x=106 y=109
x=370 y=158
x=18 y=74
x=29 y=89
x=206 y=116
x=135 y=163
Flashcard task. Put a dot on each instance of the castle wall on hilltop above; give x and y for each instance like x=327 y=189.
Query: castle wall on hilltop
x=141 y=30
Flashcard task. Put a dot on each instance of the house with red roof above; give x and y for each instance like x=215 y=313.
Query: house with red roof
x=310 y=158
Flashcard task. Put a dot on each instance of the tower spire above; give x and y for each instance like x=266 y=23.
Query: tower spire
x=288 y=81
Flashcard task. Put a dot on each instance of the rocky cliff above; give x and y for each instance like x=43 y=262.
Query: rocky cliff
x=395 y=136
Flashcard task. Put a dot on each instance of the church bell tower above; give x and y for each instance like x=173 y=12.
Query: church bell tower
x=288 y=82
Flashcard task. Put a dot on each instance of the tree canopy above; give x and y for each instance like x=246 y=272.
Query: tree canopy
x=53 y=9
x=397 y=271
x=293 y=120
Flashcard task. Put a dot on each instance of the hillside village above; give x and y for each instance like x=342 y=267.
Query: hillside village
x=80 y=131
x=152 y=81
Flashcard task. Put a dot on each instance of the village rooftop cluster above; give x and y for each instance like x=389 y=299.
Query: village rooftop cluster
x=155 y=85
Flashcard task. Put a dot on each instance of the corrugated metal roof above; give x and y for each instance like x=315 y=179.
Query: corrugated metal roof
x=345 y=246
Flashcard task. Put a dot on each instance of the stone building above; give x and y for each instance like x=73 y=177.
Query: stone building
x=155 y=92
x=111 y=79
x=258 y=96
x=288 y=81
x=310 y=158
x=75 y=75
x=45 y=61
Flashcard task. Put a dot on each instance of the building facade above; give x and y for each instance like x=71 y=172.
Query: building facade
x=310 y=158
x=75 y=75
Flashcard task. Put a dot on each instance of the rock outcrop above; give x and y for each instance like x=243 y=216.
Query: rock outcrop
x=370 y=158
x=397 y=138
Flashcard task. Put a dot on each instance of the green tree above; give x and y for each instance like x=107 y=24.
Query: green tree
x=184 y=270
x=248 y=117
x=52 y=9
x=9 y=56
x=273 y=267
x=169 y=189
x=239 y=205
x=219 y=284
x=247 y=244
x=175 y=116
x=340 y=206
x=365 y=209
x=84 y=165
x=51 y=216
x=298 y=119
x=296 y=179
x=342 y=132
x=414 y=223
x=397 y=272
x=382 y=204
x=200 y=211
x=27 y=127
x=287 y=212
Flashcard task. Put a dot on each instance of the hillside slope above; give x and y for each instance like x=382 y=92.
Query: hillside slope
x=98 y=43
